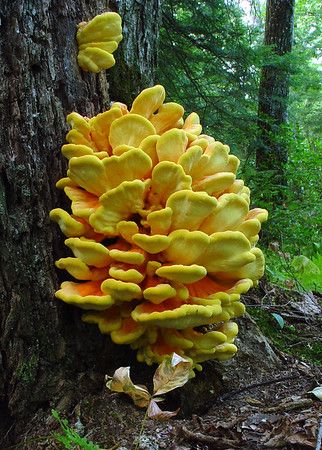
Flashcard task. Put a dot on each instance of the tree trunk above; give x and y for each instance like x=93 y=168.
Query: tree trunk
x=271 y=153
x=135 y=67
x=44 y=345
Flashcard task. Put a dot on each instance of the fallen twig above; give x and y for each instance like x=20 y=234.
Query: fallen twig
x=217 y=442
x=289 y=406
x=302 y=342
x=255 y=385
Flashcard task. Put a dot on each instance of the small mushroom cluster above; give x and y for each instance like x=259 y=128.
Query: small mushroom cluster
x=97 y=40
x=161 y=231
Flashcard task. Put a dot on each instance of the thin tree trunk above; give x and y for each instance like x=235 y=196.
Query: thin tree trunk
x=44 y=346
x=271 y=153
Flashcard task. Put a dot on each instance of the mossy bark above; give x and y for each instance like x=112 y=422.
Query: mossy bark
x=44 y=345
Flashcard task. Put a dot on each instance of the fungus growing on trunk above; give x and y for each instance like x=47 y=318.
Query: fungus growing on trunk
x=97 y=40
x=161 y=231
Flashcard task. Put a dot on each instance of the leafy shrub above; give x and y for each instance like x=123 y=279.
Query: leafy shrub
x=294 y=221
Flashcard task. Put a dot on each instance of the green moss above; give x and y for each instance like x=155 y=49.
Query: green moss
x=292 y=338
x=27 y=371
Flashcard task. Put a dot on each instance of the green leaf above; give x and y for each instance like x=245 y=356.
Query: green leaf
x=121 y=382
x=172 y=373
x=303 y=264
x=279 y=319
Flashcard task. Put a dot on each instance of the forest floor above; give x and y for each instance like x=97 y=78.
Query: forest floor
x=258 y=400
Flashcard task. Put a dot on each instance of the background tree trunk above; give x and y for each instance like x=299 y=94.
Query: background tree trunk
x=45 y=348
x=271 y=153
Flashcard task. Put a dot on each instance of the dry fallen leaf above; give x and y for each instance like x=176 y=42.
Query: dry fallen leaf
x=154 y=412
x=171 y=374
x=317 y=391
x=121 y=382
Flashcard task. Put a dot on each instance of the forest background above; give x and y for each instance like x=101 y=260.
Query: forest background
x=211 y=55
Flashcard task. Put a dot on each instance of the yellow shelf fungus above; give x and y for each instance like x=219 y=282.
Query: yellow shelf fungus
x=97 y=40
x=162 y=236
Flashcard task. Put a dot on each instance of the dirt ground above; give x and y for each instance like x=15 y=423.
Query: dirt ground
x=258 y=400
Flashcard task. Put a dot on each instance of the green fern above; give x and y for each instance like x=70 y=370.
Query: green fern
x=70 y=439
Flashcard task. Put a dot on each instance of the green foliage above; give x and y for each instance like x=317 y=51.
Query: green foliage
x=309 y=271
x=279 y=319
x=306 y=94
x=299 y=272
x=208 y=65
x=70 y=439
x=210 y=62
x=294 y=223
x=290 y=338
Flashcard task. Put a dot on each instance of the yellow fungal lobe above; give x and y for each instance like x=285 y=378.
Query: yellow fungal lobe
x=90 y=252
x=89 y=173
x=132 y=257
x=171 y=145
x=167 y=178
x=107 y=321
x=167 y=117
x=131 y=275
x=190 y=209
x=97 y=40
x=160 y=221
x=130 y=130
x=76 y=150
x=100 y=127
x=159 y=293
x=83 y=203
x=148 y=101
x=79 y=270
x=229 y=214
x=118 y=204
x=168 y=314
x=68 y=225
x=192 y=124
x=127 y=229
x=86 y=295
x=182 y=274
x=151 y=244
x=128 y=333
x=121 y=290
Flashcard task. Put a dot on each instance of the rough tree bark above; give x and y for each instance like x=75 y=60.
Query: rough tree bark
x=138 y=53
x=45 y=348
x=274 y=87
